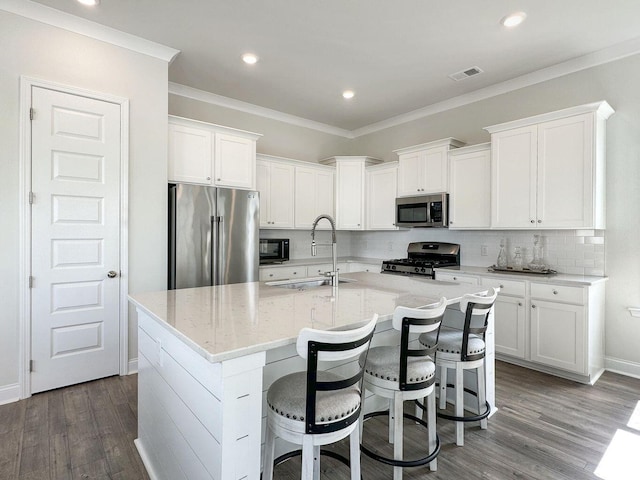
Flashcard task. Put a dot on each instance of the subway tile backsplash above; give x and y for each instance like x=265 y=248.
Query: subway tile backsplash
x=580 y=252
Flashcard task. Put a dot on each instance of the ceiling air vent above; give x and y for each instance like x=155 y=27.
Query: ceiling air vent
x=469 y=72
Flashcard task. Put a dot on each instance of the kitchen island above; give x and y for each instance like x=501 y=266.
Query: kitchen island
x=207 y=356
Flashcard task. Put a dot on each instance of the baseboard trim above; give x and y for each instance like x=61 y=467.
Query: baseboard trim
x=623 y=367
x=9 y=393
x=132 y=367
x=145 y=459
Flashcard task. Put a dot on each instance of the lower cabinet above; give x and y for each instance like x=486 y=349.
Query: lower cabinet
x=313 y=270
x=364 y=267
x=555 y=328
x=282 y=273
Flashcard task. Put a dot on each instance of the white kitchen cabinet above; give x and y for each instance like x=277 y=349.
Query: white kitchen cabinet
x=381 y=186
x=470 y=187
x=555 y=328
x=424 y=168
x=350 y=190
x=364 y=267
x=210 y=154
x=457 y=278
x=510 y=316
x=275 y=182
x=547 y=171
x=314 y=195
x=282 y=273
x=315 y=270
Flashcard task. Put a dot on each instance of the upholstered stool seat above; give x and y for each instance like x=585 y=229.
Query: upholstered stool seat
x=450 y=343
x=400 y=373
x=287 y=397
x=463 y=350
x=317 y=407
x=383 y=367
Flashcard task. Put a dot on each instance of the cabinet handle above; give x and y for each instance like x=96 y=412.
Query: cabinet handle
x=295 y=273
x=539 y=221
x=450 y=222
x=455 y=278
x=555 y=292
x=533 y=306
x=271 y=274
x=533 y=221
x=501 y=286
x=519 y=304
x=208 y=178
x=358 y=224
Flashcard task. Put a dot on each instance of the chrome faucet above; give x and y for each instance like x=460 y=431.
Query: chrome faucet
x=334 y=247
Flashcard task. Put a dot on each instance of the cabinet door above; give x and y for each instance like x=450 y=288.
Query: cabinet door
x=314 y=195
x=381 y=198
x=456 y=278
x=513 y=178
x=470 y=190
x=282 y=273
x=281 y=195
x=364 y=267
x=565 y=173
x=263 y=186
x=558 y=335
x=189 y=154
x=509 y=314
x=234 y=161
x=435 y=175
x=325 y=196
x=410 y=173
x=350 y=195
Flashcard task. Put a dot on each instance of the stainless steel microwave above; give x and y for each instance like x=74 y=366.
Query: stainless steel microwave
x=423 y=211
x=273 y=250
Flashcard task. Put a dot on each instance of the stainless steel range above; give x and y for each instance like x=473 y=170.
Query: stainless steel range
x=423 y=257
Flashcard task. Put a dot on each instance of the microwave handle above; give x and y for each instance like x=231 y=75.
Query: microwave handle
x=428 y=204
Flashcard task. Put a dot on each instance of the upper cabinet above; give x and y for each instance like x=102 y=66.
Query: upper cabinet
x=424 y=168
x=547 y=171
x=275 y=182
x=210 y=154
x=470 y=187
x=381 y=186
x=314 y=194
x=350 y=190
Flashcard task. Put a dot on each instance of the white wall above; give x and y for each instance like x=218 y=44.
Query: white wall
x=37 y=50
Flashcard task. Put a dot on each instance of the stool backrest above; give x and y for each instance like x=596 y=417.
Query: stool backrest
x=417 y=320
x=475 y=305
x=332 y=346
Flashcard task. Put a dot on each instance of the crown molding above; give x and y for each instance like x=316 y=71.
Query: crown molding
x=66 y=21
x=215 y=99
x=610 y=54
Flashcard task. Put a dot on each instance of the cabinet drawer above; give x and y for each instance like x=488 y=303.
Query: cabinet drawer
x=319 y=269
x=507 y=287
x=282 y=273
x=456 y=277
x=558 y=293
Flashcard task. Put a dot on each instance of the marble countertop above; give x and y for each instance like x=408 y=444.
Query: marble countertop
x=230 y=321
x=558 y=278
x=319 y=260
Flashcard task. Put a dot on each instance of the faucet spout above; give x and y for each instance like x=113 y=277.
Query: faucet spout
x=334 y=246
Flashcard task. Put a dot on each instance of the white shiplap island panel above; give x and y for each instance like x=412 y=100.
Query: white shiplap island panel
x=202 y=352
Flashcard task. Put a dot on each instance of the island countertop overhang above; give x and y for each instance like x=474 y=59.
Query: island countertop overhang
x=230 y=321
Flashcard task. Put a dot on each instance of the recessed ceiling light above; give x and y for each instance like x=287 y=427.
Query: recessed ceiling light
x=249 y=58
x=348 y=94
x=90 y=3
x=514 y=19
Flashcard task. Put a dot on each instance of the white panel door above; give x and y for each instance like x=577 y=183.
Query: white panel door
x=514 y=160
x=234 y=161
x=281 y=178
x=350 y=195
x=565 y=173
x=410 y=174
x=436 y=170
x=381 y=198
x=76 y=145
x=470 y=190
x=510 y=324
x=190 y=151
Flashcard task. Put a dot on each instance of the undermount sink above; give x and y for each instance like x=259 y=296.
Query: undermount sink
x=303 y=283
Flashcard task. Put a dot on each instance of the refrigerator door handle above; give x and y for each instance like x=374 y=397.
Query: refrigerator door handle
x=215 y=274
x=171 y=280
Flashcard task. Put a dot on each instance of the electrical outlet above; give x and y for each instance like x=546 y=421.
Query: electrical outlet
x=484 y=251
x=389 y=246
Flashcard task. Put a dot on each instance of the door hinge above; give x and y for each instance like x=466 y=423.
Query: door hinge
x=30 y=281
x=31 y=197
x=32 y=113
x=30 y=365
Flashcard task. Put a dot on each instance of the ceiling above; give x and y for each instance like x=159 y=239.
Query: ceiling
x=395 y=55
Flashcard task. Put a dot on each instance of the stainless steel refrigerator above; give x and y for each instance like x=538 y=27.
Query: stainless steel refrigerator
x=213 y=236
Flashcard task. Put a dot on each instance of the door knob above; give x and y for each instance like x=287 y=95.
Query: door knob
x=112 y=274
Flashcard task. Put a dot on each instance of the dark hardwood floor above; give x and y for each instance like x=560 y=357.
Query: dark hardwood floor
x=546 y=428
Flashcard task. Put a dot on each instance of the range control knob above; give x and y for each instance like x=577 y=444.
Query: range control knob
x=417 y=269
x=393 y=267
x=423 y=270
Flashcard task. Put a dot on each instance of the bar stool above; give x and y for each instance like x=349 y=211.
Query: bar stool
x=318 y=407
x=400 y=373
x=464 y=350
